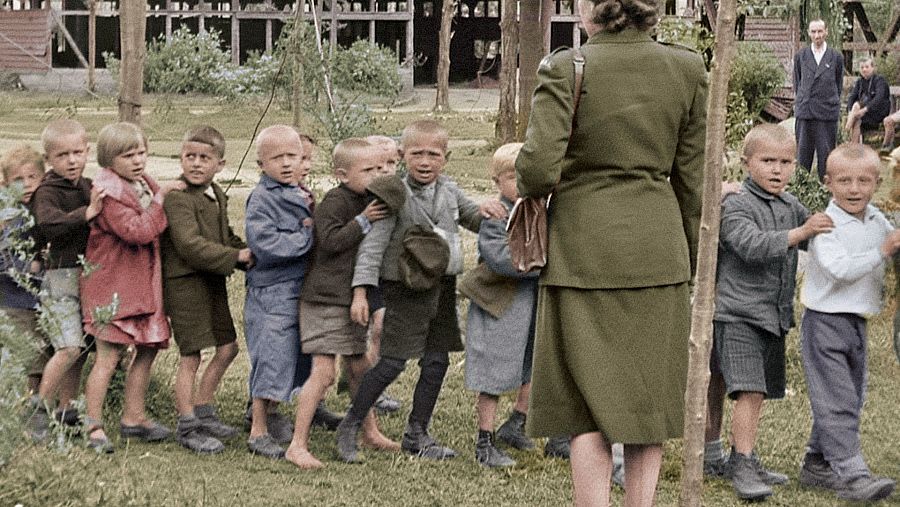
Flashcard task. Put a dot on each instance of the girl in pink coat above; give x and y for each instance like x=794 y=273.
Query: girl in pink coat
x=121 y=289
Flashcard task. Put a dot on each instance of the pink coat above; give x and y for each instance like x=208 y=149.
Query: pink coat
x=123 y=247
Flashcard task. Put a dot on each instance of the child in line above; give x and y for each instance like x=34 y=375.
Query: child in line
x=280 y=235
x=199 y=251
x=843 y=287
x=63 y=205
x=342 y=219
x=500 y=325
x=23 y=166
x=419 y=324
x=122 y=301
x=762 y=228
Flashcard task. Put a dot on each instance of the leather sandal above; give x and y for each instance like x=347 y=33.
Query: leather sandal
x=100 y=444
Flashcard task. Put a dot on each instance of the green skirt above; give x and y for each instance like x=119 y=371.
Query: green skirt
x=613 y=361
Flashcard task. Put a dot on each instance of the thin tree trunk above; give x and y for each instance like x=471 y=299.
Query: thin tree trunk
x=442 y=99
x=297 y=70
x=704 y=290
x=92 y=44
x=132 y=27
x=509 y=45
x=548 y=9
x=531 y=50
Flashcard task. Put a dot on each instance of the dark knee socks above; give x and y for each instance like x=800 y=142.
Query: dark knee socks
x=434 y=367
x=373 y=383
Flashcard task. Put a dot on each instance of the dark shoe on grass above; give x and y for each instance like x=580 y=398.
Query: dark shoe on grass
x=486 y=454
x=769 y=477
x=745 y=477
x=716 y=468
x=416 y=440
x=866 y=488
x=212 y=425
x=325 y=418
x=512 y=432
x=385 y=404
x=38 y=422
x=817 y=473
x=151 y=432
x=265 y=446
x=557 y=447
x=280 y=428
x=191 y=435
x=345 y=435
x=68 y=416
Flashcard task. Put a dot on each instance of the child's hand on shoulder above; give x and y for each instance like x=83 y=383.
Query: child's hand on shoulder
x=308 y=222
x=493 y=208
x=96 y=204
x=246 y=259
x=891 y=244
x=818 y=223
x=376 y=210
x=730 y=187
x=168 y=186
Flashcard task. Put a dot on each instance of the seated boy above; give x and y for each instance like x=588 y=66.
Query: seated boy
x=199 y=250
x=342 y=219
x=762 y=228
x=63 y=206
x=842 y=288
x=417 y=323
x=279 y=234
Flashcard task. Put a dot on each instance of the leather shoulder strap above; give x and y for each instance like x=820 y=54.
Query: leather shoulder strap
x=578 y=62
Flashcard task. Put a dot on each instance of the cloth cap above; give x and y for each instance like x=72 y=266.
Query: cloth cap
x=390 y=190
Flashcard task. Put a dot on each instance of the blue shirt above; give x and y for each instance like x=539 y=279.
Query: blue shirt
x=276 y=234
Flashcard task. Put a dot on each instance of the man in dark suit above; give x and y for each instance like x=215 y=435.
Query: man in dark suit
x=818 y=80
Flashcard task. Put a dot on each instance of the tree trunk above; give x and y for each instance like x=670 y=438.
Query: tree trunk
x=442 y=99
x=548 y=9
x=531 y=50
x=704 y=291
x=505 y=130
x=297 y=66
x=132 y=27
x=92 y=44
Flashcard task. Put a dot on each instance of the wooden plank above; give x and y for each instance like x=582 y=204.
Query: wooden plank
x=870 y=46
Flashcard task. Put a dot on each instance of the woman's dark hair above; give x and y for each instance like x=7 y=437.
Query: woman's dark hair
x=616 y=15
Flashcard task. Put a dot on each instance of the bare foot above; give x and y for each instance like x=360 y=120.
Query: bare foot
x=302 y=458
x=377 y=440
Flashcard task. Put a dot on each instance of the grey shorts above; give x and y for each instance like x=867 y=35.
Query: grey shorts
x=751 y=359
x=328 y=329
x=62 y=307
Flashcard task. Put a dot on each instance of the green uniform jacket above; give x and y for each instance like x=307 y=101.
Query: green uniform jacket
x=626 y=211
x=198 y=239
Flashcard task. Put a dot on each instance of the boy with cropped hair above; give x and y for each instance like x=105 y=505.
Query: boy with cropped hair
x=842 y=288
x=762 y=228
x=418 y=323
x=63 y=205
x=199 y=251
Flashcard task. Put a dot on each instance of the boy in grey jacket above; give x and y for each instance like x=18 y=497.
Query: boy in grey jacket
x=417 y=324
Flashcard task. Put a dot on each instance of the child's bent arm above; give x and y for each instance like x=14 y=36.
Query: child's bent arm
x=196 y=251
x=333 y=234
x=49 y=216
x=371 y=252
x=740 y=233
x=271 y=245
x=839 y=263
x=359 y=308
x=130 y=225
x=469 y=211
x=815 y=224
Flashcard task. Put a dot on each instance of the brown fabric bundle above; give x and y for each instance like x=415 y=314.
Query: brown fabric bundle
x=527 y=233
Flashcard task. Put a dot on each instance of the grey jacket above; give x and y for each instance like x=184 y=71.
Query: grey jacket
x=449 y=208
x=757 y=272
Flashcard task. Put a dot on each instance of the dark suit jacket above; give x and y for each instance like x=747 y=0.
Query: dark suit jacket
x=874 y=94
x=818 y=87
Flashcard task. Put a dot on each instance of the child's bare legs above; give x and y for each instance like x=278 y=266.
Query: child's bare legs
x=376 y=328
x=642 y=463
x=745 y=421
x=215 y=370
x=184 y=384
x=486 y=408
x=522 y=398
x=56 y=370
x=105 y=362
x=68 y=389
x=136 y=383
x=371 y=435
x=320 y=379
x=591 y=463
x=854 y=123
x=260 y=408
x=715 y=399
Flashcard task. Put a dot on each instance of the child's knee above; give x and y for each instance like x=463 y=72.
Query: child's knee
x=227 y=352
x=69 y=354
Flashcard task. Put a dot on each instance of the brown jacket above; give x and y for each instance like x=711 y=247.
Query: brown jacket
x=59 y=208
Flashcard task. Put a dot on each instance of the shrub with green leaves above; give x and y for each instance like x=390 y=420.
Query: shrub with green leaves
x=807 y=188
x=757 y=74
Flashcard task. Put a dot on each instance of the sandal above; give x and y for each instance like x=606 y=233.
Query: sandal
x=100 y=444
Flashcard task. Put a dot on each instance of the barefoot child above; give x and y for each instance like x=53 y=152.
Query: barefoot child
x=199 y=251
x=500 y=327
x=280 y=235
x=343 y=218
x=843 y=286
x=126 y=282
x=63 y=205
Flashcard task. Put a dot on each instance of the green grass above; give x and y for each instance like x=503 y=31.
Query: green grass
x=166 y=474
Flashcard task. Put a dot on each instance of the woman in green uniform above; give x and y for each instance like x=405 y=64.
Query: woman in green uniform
x=613 y=318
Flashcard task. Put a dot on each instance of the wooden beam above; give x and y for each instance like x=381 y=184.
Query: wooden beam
x=871 y=46
x=60 y=24
x=236 y=33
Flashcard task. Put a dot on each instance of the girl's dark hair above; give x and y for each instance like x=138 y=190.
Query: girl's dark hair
x=613 y=16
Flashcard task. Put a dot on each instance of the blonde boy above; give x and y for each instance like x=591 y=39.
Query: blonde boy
x=63 y=205
x=343 y=218
x=389 y=151
x=199 y=251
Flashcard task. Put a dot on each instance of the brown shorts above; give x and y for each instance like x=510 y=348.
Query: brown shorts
x=25 y=321
x=328 y=329
x=197 y=306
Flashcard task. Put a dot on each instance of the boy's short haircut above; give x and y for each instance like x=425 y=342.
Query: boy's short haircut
x=856 y=153
x=766 y=132
x=346 y=151
x=205 y=134
x=426 y=128
x=867 y=59
x=306 y=138
x=116 y=139
x=273 y=130
x=504 y=159
x=379 y=140
x=19 y=155
x=60 y=128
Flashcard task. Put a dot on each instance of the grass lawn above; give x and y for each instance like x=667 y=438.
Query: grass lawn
x=166 y=474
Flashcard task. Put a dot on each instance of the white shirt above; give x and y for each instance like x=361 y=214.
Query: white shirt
x=845 y=273
x=818 y=54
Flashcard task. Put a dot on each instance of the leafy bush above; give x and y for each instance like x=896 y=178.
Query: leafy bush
x=361 y=69
x=806 y=187
x=757 y=74
x=888 y=66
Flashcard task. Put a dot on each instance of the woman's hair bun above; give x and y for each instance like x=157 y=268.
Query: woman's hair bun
x=616 y=15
